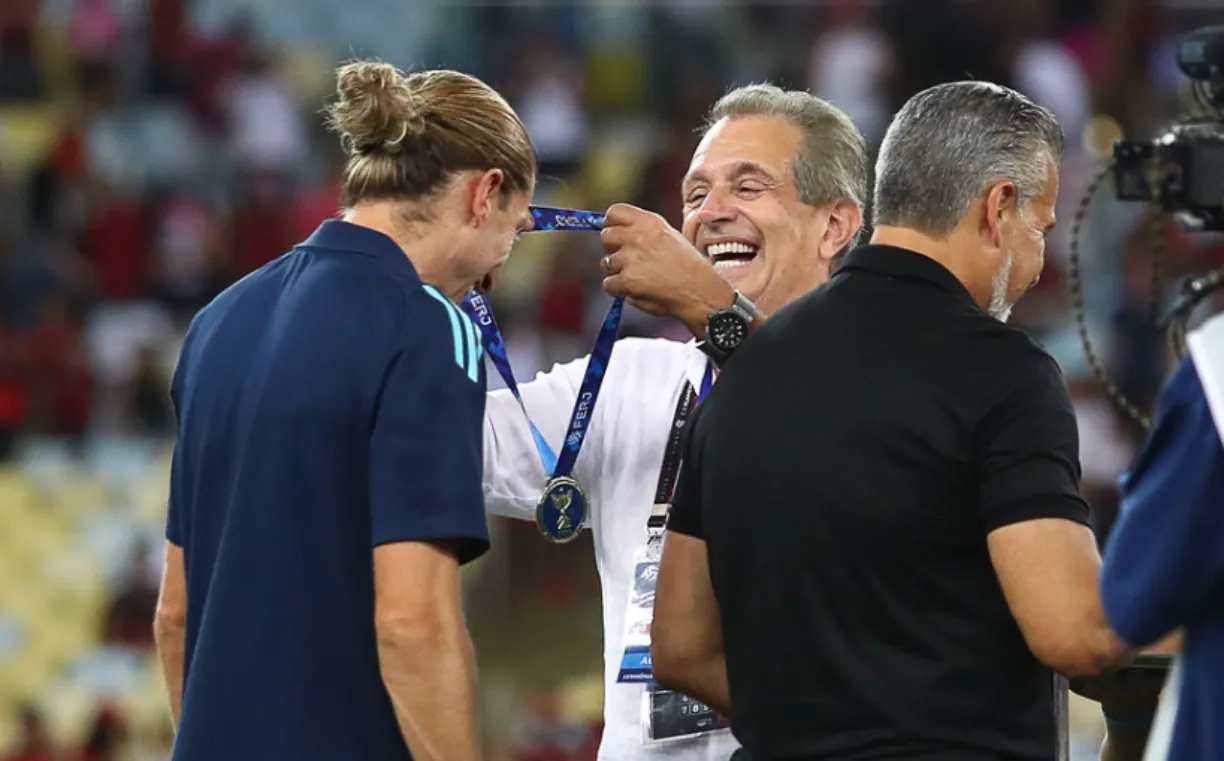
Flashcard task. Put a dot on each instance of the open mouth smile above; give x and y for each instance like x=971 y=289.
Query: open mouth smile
x=731 y=255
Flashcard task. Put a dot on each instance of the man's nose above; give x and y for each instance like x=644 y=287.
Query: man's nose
x=716 y=209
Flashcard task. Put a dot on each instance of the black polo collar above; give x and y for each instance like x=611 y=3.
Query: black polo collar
x=901 y=262
x=338 y=235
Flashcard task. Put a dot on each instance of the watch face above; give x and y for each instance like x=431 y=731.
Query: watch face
x=727 y=330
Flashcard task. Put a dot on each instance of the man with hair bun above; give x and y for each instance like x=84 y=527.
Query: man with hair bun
x=325 y=487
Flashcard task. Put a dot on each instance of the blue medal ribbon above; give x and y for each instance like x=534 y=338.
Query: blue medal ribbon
x=477 y=308
x=551 y=219
x=707 y=381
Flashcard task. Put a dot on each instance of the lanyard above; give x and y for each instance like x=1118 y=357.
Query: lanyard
x=666 y=487
x=478 y=309
x=548 y=219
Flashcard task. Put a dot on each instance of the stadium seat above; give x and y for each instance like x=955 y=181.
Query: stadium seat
x=69 y=708
x=26 y=134
x=23 y=677
x=8 y=727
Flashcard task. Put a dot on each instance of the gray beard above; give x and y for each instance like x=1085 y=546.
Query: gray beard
x=999 y=307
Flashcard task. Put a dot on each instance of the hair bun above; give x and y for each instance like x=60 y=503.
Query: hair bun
x=377 y=109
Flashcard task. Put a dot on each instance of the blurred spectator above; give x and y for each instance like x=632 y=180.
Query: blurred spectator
x=262 y=223
x=1139 y=346
x=14 y=391
x=1106 y=448
x=56 y=193
x=94 y=35
x=62 y=379
x=170 y=48
x=265 y=123
x=21 y=77
x=1047 y=72
x=106 y=737
x=34 y=742
x=187 y=273
x=129 y=617
x=659 y=189
x=149 y=410
x=116 y=241
x=548 y=736
x=563 y=307
x=209 y=65
x=32 y=270
x=941 y=41
x=849 y=60
x=550 y=104
x=318 y=203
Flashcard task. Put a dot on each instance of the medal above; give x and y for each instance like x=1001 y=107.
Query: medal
x=562 y=510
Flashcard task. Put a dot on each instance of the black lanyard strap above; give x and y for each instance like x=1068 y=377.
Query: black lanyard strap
x=670 y=468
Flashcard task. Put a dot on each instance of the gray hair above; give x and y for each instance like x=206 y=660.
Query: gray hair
x=950 y=143
x=832 y=164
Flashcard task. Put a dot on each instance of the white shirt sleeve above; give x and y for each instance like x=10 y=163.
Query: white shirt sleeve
x=514 y=476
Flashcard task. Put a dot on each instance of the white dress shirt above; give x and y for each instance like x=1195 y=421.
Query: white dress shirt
x=618 y=468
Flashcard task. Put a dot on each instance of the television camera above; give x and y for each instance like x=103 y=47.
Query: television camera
x=1181 y=174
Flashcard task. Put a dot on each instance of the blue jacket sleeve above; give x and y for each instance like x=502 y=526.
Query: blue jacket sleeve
x=1165 y=557
x=426 y=464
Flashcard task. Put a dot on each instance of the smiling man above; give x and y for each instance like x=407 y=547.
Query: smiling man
x=772 y=196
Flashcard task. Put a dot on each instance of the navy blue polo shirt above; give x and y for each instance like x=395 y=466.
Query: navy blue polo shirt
x=327 y=403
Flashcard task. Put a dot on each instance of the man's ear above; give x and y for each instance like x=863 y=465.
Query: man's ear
x=845 y=221
x=485 y=193
x=1001 y=204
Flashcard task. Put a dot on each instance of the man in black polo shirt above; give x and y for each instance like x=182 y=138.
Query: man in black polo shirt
x=877 y=547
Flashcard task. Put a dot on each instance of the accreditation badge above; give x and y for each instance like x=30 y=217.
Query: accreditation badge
x=667 y=716
x=639 y=615
x=670 y=716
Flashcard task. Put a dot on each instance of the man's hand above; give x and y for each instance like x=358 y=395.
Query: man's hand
x=660 y=272
x=1132 y=691
x=1129 y=697
x=1129 y=692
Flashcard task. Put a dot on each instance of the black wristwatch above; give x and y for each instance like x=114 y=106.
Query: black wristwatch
x=727 y=328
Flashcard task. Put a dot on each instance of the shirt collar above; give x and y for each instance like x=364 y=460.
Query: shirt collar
x=695 y=366
x=338 y=235
x=903 y=263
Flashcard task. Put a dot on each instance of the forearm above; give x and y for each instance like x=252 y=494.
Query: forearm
x=1098 y=648
x=432 y=683
x=705 y=680
x=171 y=645
x=1108 y=649
x=712 y=296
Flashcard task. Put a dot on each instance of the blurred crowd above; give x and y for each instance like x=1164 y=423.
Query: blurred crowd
x=154 y=151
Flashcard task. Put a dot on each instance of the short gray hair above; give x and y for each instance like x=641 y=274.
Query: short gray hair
x=951 y=142
x=832 y=164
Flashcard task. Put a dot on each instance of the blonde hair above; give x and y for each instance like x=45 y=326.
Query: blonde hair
x=406 y=134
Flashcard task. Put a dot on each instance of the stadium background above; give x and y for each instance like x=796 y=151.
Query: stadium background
x=153 y=151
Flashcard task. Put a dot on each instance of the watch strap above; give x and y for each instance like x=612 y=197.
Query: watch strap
x=743 y=306
x=717 y=355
